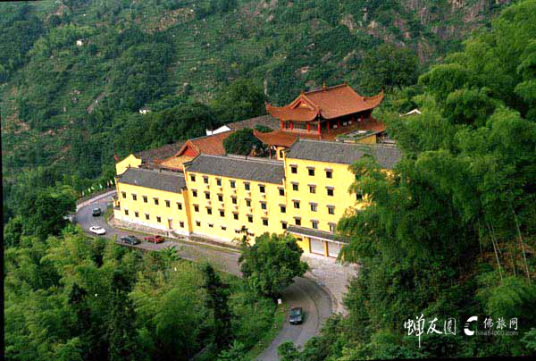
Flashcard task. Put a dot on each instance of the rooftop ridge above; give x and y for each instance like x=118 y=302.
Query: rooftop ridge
x=159 y=171
x=362 y=145
x=209 y=135
x=326 y=89
x=243 y=158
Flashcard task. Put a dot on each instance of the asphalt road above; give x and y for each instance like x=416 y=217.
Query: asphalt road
x=303 y=292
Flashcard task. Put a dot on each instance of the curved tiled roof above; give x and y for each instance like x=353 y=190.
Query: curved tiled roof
x=155 y=179
x=277 y=138
x=329 y=103
x=240 y=167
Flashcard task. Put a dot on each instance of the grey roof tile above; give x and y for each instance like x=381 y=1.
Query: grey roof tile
x=162 y=180
x=247 y=168
x=309 y=232
x=343 y=153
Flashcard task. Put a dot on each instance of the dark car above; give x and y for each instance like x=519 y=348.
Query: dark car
x=296 y=315
x=155 y=239
x=130 y=240
x=96 y=212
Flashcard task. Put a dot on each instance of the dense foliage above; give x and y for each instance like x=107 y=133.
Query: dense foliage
x=271 y=263
x=451 y=232
x=243 y=142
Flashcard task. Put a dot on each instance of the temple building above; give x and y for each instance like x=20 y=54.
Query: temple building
x=194 y=189
x=333 y=109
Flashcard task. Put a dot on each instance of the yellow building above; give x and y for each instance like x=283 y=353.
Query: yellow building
x=305 y=194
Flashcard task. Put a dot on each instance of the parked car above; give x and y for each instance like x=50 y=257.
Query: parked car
x=97 y=230
x=155 y=239
x=130 y=240
x=96 y=212
x=296 y=315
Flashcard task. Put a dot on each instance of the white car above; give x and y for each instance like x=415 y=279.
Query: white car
x=97 y=230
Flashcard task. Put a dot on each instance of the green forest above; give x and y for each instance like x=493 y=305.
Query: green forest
x=450 y=234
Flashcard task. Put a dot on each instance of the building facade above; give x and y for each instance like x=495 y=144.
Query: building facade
x=305 y=193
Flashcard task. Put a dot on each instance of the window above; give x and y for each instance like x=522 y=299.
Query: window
x=158 y=219
x=220 y=197
x=281 y=191
x=250 y=218
x=312 y=188
x=330 y=191
x=205 y=180
x=126 y=212
x=218 y=182
x=265 y=221
x=314 y=207
x=262 y=188
x=234 y=200
x=331 y=209
x=233 y=184
x=145 y=200
x=198 y=224
x=332 y=227
x=168 y=203
x=311 y=171
x=296 y=204
x=284 y=225
x=207 y=195
x=248 y=202
x=294 y=169
x=209 y=210
x=314 y=224
x=235 y=216
x=192 y=177
x=297 y=220
x=211 y=225
x=124 y=194
x=147 y=216
x=179 y=206
x=196 y=208
x=181 y=224
x=137 y=214
x=358 y=196
x=246 y=186
x=263 y=205
x=294 y=186
x=222 y=213
x=329 y=173
x=283 y=208
x=134 y=197
x=223 y=228
x=155 y=201
x=194 y=192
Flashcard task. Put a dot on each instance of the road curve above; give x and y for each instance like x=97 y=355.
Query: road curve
x=304 y=292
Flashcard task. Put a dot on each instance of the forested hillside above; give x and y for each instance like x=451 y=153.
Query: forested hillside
x=75 y=73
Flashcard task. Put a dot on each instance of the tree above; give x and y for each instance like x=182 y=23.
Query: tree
x=243 y=142
x=243 y=99
x=388 y=67
x=217 y=301
x=271 y=264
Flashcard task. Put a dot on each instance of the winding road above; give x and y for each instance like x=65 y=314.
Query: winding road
x=314 y=300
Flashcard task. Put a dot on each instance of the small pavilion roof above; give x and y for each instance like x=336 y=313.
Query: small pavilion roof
x=277 y=137
x=329 y=103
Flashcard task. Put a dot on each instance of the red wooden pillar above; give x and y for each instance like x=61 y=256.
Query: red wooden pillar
x=319 y=127
x=308 y=127
x=291 y=125
x=281 y=124
x=362 y=116
x=338 y=124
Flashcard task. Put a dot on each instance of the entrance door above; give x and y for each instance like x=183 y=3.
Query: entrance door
x=317 y=247
x=170 y=223
x=334 y=249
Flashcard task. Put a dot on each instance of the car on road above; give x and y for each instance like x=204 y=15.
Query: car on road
x=155 y=239
x=96 y=212
x=97 y=230
x=296 y=315
x=130 y=240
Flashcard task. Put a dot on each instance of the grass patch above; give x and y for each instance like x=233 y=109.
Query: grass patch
x=279 y=320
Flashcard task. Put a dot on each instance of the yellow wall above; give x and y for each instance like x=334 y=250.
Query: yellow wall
x=172 y=212
x=370 y=139
x=130 y=161
x=271 y=197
